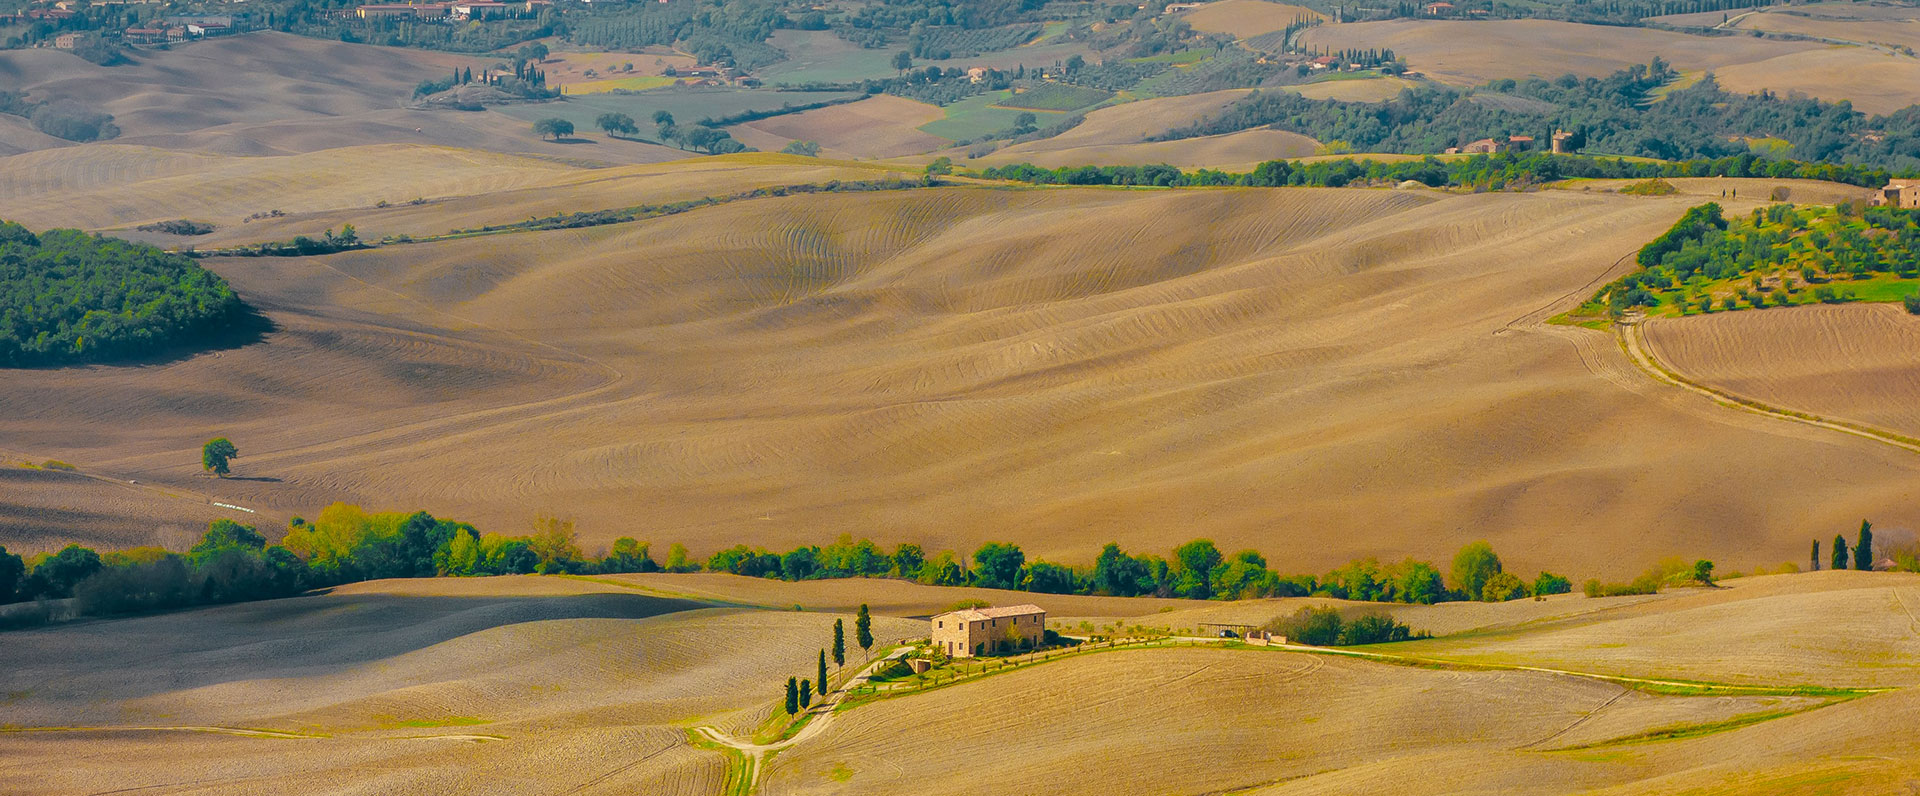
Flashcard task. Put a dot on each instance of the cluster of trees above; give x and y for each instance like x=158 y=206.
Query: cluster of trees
x=1682 y=266
x=344 y=544
x=329 y=242
x=1479 y=172
x=61 y=118
x=699 y=137
x=1613 y=115
x=1862 y=555
x=800 y=691
x=66 y=297
x=1324 y=627
x=1195 y=570
x=323 y=19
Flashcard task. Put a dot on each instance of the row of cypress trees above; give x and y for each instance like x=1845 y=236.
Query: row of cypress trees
x=1862 y=550
x=800 y=691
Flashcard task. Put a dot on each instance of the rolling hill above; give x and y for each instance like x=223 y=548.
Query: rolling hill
x=1316 y=373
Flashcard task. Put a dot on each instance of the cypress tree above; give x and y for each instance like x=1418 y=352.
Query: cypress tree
x=1814 y=560
x=823 y=670
x=793 y=696
x=839 y=642
x=863 y=629
x=1839 y=552
x=806 y=693
x=1863 y=551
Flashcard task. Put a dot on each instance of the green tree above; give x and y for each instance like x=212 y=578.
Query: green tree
x=1863 y=550
x=908 y=559
x=13 y=569
x=997 y=565
x=940 y=166
x=863 y=629
x=793 y=695
x=662 y=119
x=1501 y=587
x=1839 y=552
x=822 y=672
x=224 y=534
x=614 y=123
x=806 y=693
x=839 y=642
x=1472 y=566
x=1193 y=565
x=57 y=575
x=215 y=454
x=1703 y=572
x=902 y=61
x=554 y=127
x=1813 y=561
x=807 y=148
x=678 y=561
x=1549 y=583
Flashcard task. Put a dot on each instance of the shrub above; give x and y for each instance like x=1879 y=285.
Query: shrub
x=178 y=226
x=1653 y=187
x=1912 y=304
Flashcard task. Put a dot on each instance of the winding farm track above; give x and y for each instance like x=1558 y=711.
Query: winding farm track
x=823 y=714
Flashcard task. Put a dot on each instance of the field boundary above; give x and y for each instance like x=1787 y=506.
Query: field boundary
x=1633 y=343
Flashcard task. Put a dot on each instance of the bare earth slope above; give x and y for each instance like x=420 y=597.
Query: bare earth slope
x=1322 y=374
x=277 y=94
x=504 y=685
x=1856 y=363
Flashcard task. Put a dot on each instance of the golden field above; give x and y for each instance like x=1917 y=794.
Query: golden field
x=958 y=364
x=518 y=683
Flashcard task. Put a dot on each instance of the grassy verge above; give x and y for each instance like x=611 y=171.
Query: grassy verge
x=739 y=779
x=1682 y=731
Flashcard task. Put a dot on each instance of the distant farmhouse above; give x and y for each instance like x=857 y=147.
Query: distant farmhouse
x=983 y=631
x=1903 y=194
x=1512 y=143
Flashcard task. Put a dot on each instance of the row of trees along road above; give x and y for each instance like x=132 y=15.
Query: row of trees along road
x=800 y=691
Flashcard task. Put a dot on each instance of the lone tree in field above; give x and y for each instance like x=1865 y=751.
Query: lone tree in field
x=617 y=123
x=1814 y=559
x=863 y=630
x=793 y=695
x=215 y=454
x=806 y=694
x=1863 y=550
x=1839 y=552
x=556 y=127
x=839 y=642
x=1703 y=572
x=902 y=61
x=823 y=670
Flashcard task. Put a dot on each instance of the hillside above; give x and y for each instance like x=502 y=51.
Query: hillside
x=588 y=686
x=960 y=364
x=1853 y=363
x=277 y=94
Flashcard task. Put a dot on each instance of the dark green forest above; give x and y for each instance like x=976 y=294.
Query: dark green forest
x=1620 y=114
x=68 y=297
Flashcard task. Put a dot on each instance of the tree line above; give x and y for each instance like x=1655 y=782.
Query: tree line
x=1616 y=115
x=69 y=297
x=344 y=544
x=1494 y=172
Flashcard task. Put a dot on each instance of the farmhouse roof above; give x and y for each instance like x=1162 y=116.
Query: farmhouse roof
x=976 y=614
x=1520 y=138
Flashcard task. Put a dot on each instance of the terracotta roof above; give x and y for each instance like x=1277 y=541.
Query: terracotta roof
x=976 y=614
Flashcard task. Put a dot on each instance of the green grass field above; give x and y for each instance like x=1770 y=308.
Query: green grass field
x=822 y=57
x=979 y=115
x=1056 y=97
x=1881 y=288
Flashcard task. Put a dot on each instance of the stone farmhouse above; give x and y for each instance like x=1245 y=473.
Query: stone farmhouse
x=984 y=631
x=1903 y=194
